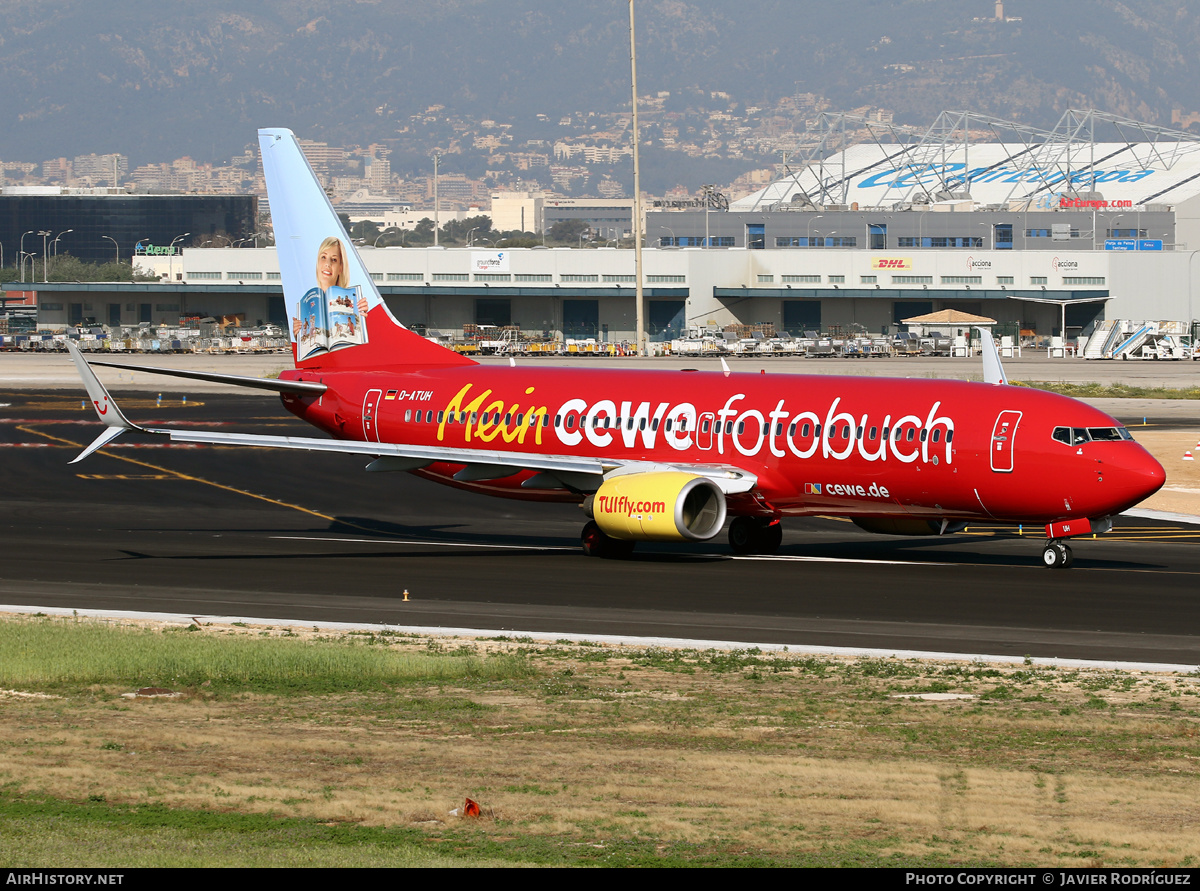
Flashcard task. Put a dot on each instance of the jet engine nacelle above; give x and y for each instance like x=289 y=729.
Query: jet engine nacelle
x=907 y=526
x=659 y=506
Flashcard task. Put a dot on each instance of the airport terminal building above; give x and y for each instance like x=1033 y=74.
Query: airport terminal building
x=1031 y=232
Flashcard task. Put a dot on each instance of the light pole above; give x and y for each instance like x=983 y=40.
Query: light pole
x=171 y=261
x=23 y=234
x=808 y=230
x=55 y=242
x=116 y=248
x=639 y=293
x=471 y=235
x=437 y=220
x=45 y=233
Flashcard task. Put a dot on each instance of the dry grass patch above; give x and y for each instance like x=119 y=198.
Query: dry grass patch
x=795 y=759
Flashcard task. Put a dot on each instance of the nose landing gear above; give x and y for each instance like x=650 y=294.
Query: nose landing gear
x=1057 y=554
x=597 y=543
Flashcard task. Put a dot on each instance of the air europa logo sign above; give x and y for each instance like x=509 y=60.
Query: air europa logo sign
x=892 y=263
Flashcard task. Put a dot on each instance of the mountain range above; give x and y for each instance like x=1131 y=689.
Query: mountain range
x=158 y=80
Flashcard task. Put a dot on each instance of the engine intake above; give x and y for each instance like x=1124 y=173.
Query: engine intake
x=662 y=506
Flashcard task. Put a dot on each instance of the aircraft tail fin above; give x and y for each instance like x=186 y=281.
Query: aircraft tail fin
x=336 y=315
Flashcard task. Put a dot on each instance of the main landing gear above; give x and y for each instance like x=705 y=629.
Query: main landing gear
x=1057 y=554
x=747 y=536
x=597 y=543
x=755 y=535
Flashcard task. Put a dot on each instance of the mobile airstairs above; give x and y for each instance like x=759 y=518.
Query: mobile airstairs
x=1129 y=339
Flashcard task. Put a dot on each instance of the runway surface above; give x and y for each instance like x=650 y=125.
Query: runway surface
x=234 y=531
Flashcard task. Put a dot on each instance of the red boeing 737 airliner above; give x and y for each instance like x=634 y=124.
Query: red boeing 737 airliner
x=663 y=455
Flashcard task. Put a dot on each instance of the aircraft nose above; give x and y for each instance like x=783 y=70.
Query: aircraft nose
x=1141 y=475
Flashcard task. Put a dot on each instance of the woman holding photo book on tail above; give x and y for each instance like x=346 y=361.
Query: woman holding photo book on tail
x=331 y=314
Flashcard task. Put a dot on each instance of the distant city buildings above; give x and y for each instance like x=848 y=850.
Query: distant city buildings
x=515 y=169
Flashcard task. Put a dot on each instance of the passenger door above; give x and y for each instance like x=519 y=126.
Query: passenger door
x=1003 y=435
x=370 y=410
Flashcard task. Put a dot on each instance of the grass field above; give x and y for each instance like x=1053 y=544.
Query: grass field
x=295 y=748
x=1092 y=390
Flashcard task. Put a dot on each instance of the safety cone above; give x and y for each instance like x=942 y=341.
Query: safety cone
x=1187 y=456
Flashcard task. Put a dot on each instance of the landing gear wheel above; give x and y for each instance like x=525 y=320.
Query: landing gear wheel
x=597 y=543
x=1057 y=555
x=771 y=538
x=755 y=535
x=1068 y=557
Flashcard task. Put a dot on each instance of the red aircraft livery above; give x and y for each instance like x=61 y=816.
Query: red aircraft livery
x=663 y=455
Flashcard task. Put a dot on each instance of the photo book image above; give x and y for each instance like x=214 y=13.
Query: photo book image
x=330 y=320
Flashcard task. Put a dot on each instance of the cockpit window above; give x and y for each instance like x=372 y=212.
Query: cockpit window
x=1074 y=436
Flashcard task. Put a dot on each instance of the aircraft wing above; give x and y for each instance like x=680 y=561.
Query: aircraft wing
x=258 y=383
x=576 y=472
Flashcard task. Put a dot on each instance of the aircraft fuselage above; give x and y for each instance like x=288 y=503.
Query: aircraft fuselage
x=849 y=446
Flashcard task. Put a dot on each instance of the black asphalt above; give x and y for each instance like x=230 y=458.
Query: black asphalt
x=286 y=535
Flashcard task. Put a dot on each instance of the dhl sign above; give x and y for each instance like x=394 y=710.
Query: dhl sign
x=892 y=263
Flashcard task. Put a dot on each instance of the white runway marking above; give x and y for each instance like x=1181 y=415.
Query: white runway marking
x=467 y=544
x=434 y=544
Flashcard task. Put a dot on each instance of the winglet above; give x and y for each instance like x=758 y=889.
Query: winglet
x=725 y=366
x=106 y=409
x=993 y=371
